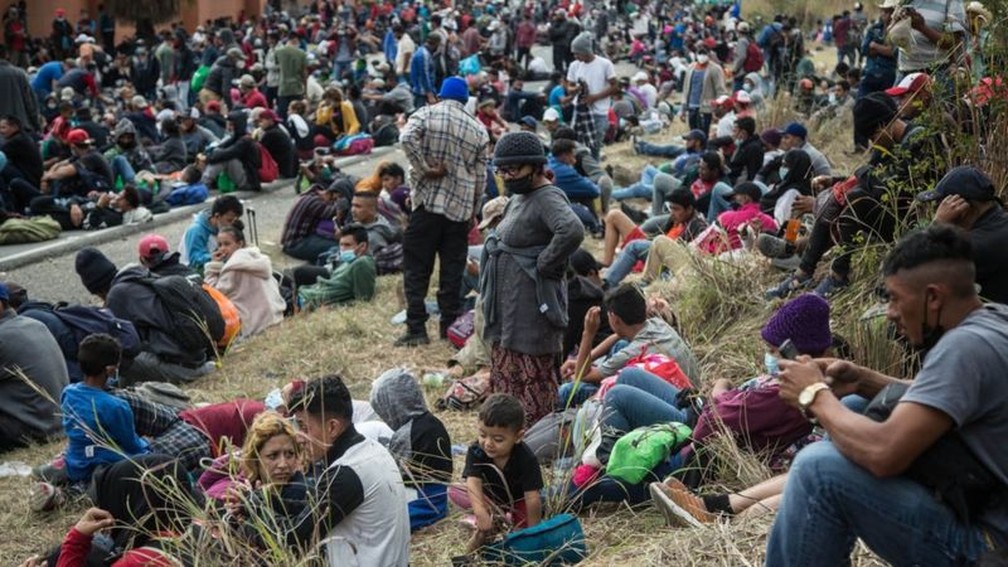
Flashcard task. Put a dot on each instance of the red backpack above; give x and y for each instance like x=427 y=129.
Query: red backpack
x=268 y=170
x=754 y=58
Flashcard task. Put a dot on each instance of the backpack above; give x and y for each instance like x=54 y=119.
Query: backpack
x=462 y=328
x=754 y=58
x=199 y=78
x=86 y=320
x=34 y=229
x=638 y=452
x=466 y=393
x=550 y=437
x=197 y=324
x=386 y=135
x=268 y=169
x=389 y=259
x=228 y=311
x=559 y=540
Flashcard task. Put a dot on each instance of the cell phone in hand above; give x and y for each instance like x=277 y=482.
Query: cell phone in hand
x=788 y=350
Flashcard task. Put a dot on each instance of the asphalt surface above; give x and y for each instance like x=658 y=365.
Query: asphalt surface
x=53 y=278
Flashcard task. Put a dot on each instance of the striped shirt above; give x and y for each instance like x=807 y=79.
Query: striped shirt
x=444 y=133
x=304 y=217
x=945 y=16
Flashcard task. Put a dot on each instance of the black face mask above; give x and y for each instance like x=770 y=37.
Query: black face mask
x=930 y=335
x=127 y=144
x=520 y=186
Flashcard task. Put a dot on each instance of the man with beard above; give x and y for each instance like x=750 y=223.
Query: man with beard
x=867 y=481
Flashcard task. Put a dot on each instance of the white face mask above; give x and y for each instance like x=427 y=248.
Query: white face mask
x=703 y=59
x=832 y=98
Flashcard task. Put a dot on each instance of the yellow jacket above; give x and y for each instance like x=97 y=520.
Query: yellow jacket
x=324 y=117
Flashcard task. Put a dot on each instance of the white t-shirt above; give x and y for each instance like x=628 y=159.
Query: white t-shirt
x=725 y=125
x=538 y=66
x=650 y=93
x=596 y=75
x=404 y=53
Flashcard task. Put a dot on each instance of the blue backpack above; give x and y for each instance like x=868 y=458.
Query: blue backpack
x=86 y=320
x=556 y=541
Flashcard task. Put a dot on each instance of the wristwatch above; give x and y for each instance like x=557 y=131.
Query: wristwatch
x=808 y=396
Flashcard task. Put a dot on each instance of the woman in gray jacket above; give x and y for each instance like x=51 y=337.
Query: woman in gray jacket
x=522 y=280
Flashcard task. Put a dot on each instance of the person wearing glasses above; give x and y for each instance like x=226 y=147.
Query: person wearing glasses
x=522 y=278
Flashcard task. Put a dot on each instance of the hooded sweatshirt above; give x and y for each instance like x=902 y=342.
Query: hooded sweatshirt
x=420 y=444
x=196 y=242
x=247 y=280
x=137 y=156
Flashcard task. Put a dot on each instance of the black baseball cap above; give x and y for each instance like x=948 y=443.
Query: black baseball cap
x=582 y=262
x=966 y=181
x=696 y=135
x=750 y=190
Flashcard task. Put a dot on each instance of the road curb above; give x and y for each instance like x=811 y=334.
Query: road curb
x=75 y=240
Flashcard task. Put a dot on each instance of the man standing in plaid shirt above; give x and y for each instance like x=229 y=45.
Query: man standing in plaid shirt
x=446 y=147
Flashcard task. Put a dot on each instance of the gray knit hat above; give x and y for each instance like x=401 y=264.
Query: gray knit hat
x=519 y=148
x=582 y=44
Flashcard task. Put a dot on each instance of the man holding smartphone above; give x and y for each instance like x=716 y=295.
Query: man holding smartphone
x=937 y=35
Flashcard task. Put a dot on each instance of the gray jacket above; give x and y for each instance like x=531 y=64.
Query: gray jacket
x=28 y=346
x=541 y=221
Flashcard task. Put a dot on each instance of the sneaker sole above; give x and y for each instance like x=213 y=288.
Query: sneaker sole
x=675 y=516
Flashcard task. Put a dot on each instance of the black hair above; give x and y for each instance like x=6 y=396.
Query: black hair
x=747 y=123
x=17 y=295
x=564 y=133
x=12 y=120
x=227 y=204
x=393 y=169
x=937 y=243
x=502 y=410
x=682 y=197
x=841 y=69
x=563 y=146
x=96 y=352
x=191 y=174
x=234 y=230
x=326 y=397
x=131 y=195
x=627 y=303
x=358 y=232
x=713 y=161
x=169 y=127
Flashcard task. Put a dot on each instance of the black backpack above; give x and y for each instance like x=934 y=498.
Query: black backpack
x=197 y=323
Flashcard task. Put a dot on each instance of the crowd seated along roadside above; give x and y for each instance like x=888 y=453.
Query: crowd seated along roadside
x=557 y=279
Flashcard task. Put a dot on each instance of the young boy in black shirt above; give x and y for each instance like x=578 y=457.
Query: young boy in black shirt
x=502 y=474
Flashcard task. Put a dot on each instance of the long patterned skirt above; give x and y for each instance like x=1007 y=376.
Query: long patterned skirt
x=530 y=378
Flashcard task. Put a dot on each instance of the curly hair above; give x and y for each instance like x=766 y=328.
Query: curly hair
x=266 y=426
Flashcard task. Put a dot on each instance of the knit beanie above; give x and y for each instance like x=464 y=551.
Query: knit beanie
x=804 y=320
x=519 y=148
x=582 y=44
x=95 y=270
x=872 y=112
x=454 y=88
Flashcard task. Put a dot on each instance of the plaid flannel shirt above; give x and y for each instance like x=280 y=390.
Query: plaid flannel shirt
x=445 y=133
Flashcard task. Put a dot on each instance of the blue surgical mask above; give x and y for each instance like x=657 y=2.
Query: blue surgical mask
x=783 y=172
x=770 y=363
x=347 y=256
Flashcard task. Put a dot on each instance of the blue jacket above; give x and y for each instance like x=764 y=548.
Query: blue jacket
x=575 y=185
x=422 y=78
x=196 y=241
x=390 y=47
x=99 y=429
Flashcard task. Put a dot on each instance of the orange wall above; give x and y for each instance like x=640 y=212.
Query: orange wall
x=193 y=13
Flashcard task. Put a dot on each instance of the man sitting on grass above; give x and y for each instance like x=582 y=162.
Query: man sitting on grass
x=868 y=481
x=353 y=279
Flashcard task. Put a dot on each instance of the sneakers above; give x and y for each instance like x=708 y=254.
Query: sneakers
x=830 y=286
x=680 y=507
x=791 y=284
x=772 y=246
x=412 y=340
x=45 y=497
x=635 y=215
x=789 y=264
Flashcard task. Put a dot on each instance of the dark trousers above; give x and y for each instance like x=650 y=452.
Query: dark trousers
x=820 y=239
x=429 y=235
x=283 y=102
x=866 y=219
x=20 y=194
x=699 y=121
x=310 y=247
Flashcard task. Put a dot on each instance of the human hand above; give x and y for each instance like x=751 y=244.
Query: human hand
x=951 y=209
x=843 y=376
x=484 y=521
x=657 y=307
x=218 y=255
x=821 y=182
x=916 y=19
x=235 y=497
x=76 y=215
x=34 y=561
x=568 y=368
x=803 y=204
x=472 y=267
x=431 y=99
x=592 y=321
x=93 y=520
x=795 y=376
x=436 y=171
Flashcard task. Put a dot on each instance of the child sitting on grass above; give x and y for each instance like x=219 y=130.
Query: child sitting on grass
x=502 y=474
x=99 y=426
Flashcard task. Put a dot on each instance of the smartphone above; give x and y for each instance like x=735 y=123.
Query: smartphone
x=788 y=350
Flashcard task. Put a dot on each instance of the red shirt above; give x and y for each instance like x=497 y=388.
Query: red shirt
x=76 y=546
x=254 y=99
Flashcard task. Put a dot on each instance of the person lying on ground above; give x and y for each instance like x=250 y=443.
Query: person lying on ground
x=245 y=276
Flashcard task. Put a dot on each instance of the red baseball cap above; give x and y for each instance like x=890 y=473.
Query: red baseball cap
x=912 y=83
x=269 y=115
x=78 y=137
x=153 y=244
x=213 y=105
x=60 y=12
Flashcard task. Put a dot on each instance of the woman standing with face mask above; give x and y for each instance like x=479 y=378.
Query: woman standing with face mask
x=522 y=282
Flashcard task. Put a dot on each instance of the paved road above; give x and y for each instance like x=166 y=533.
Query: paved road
x=54 y=279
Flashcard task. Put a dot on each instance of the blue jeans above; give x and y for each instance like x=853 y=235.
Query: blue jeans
x=719 y=202
x=643 y=189
x=121 y=168
x=608 y=489
x=640 y=398
x=601 y=127
x=570 y=397
x=829 y=502
x=625 y=261
x=670 y=151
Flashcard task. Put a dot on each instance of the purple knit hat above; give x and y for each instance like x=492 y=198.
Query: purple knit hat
x=804 y=320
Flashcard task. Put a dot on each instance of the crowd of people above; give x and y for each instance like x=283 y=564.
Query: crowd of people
x=570 y=349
